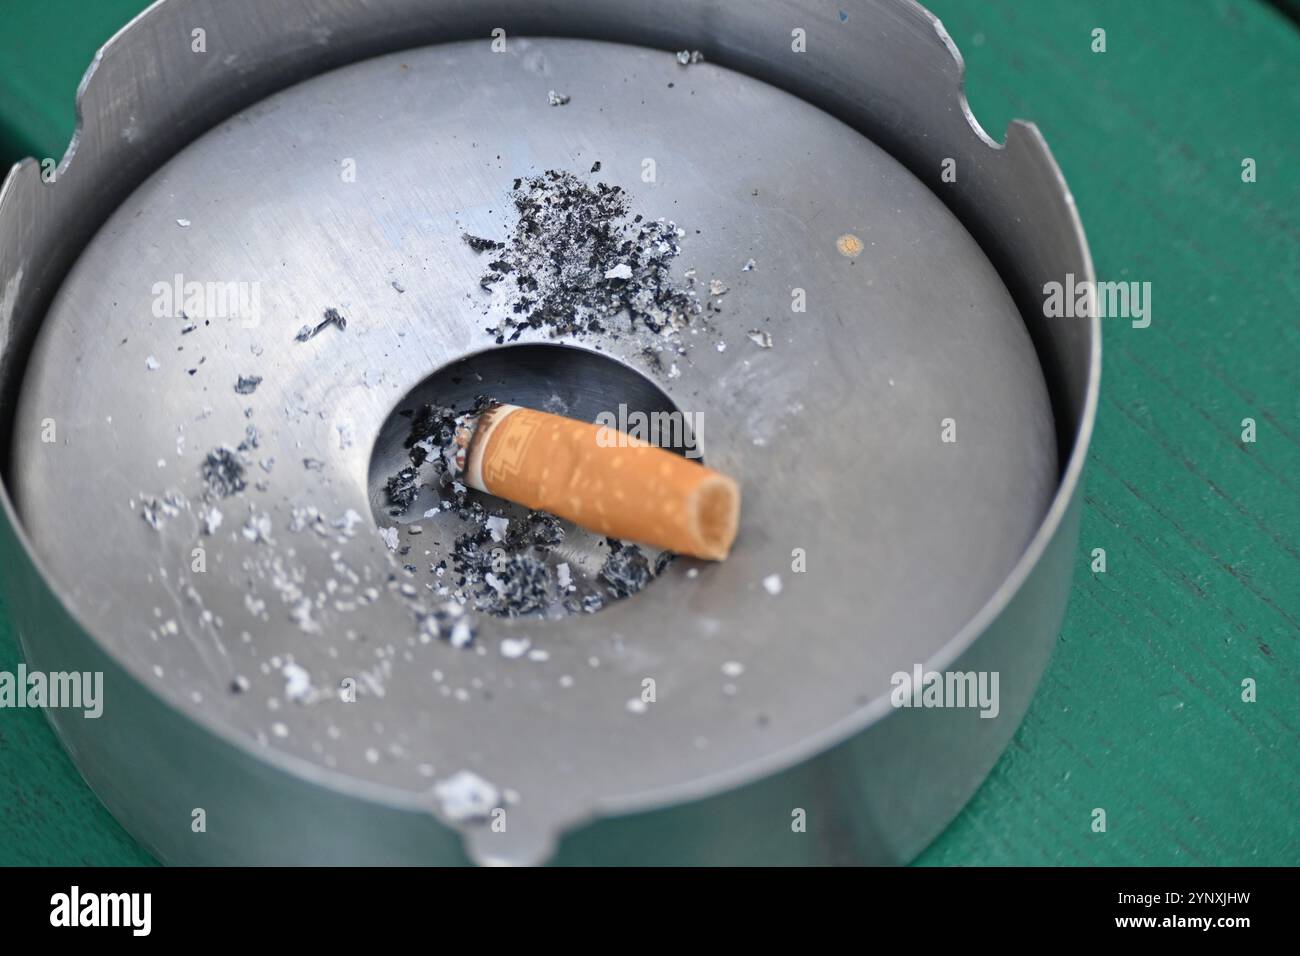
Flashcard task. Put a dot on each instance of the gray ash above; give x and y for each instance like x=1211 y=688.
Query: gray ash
x=626 y=570
x=520 y=584
x=402 y=489
x=544 y=530
x=223 y=472
x=576 y=260
x=431 y=426
x=508 y=578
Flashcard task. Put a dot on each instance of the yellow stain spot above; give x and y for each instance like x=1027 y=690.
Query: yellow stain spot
x=849 y=245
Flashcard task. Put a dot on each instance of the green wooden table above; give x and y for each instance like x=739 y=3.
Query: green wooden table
x=1141 y=711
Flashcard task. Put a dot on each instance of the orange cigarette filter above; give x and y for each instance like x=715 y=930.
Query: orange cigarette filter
x=603 y=479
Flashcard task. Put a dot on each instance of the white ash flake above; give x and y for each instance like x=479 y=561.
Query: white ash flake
x=497 y=527
x=152 y=364
x=348 y=523
x=620 y=271
x=750 y=266
x=462 y=632
x=183 y=223
x=557 y=99
x=760 y=338
x=772 y=584
x=301 y=614
x=297 y=682
x=466 y=796
x=309 y=517
x=257 y=529
x=512 y=647
x=450 y=622
x=733 y=668
x=563 y=575
x=156 y=511
x=717 y=287
x=212 y=520
x=390 y=537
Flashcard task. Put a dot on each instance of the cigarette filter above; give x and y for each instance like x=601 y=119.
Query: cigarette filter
x=603 y=479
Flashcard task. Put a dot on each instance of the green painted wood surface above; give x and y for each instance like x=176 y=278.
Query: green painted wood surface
x=1141 y=710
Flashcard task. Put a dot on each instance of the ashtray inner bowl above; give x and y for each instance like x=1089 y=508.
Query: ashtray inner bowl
x=443 y=523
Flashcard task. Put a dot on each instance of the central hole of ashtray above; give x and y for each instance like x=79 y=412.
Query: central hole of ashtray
x=489 y=554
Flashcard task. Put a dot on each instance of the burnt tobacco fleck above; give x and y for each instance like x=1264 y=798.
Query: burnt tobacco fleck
x=332 y=317
x=479 y=244
x=401 y=489
x=520 y=584
x=626 y=570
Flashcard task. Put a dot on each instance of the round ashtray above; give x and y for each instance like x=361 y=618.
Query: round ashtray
x=254 y=285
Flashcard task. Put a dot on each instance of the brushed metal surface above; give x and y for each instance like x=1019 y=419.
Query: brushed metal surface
x=925 y=764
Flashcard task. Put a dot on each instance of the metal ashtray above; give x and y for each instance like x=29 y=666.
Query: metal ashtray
x=869 y=358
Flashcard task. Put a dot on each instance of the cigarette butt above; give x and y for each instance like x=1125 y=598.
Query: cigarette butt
x=604 y=480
